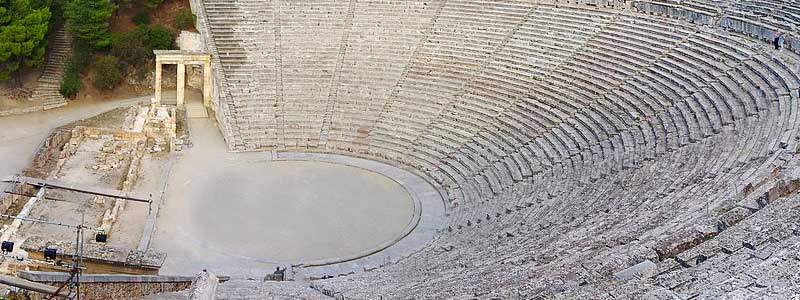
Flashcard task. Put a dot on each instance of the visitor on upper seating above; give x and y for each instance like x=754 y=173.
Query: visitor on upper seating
x=779 y=40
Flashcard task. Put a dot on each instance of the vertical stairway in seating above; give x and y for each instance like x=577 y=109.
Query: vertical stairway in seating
x=46 y=93
x=330 y=105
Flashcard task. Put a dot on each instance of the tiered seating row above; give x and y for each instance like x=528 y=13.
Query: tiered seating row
x=244 y=36
x=309 y=65
x=571 y=141
x=383 y=42
x=464 y=38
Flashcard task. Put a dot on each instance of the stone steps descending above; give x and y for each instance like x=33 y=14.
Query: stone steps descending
x=47 y=91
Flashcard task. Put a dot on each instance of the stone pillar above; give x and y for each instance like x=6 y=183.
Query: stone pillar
x=158 y=83
x=207 y=83
x=181 y=84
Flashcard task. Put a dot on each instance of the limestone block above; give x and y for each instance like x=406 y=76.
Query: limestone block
x=108 y=147
x=93 y=133
x=189 y=41
x=102 y=167
x=126 y=135
x=204 y=287
x=110 y=215
x=107 y=221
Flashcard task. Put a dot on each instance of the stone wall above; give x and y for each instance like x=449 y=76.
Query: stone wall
x=754 y=29
x=44 y=161
x=733 y=23
x=99 y=258
x=192 y=41
x=760 y=31
x=132 y=175
x=20 y=111
x=48 y=154
x=675 y=11
x=219 y=98
x=49 y=157
x=597 y=3
x=112 y=287
x=114 y=291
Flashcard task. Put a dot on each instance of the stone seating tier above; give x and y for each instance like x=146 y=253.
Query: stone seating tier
x=546 y=126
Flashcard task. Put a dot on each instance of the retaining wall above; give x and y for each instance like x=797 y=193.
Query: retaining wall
x=729 y=22
x=112 y=286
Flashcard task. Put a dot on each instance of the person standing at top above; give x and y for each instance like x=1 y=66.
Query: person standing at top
x=781 y=41
x=775 y=41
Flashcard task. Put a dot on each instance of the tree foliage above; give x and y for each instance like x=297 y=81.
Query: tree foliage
x=56 y=13
x=135 y=47
x=71 y=83
x=23 y=29
x=107 y=74
x=184 y=19
x=89 y=21
x=142 y=17
x=82 y=55
x=160 y=37
x=132 y=47
x=37 y=4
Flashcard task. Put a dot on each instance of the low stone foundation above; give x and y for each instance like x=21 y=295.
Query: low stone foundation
x=112 y=287
x=98 y=258
x=27 y=110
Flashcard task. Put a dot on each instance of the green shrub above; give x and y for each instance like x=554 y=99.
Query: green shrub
x=141 y=17
x=131 y=46
x=107 y=74
x=70 y=85
x=135 y=47
x=184 y=19
x=81 y=56
x=160 y=38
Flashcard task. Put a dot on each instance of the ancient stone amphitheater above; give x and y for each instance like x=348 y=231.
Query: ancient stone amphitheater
x=595 y=150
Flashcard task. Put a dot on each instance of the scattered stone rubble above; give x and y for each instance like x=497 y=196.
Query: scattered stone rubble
x=113 y=157
x=161 y=128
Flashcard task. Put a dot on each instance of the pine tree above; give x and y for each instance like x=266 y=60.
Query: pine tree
x=23 y=31
x=89 y=21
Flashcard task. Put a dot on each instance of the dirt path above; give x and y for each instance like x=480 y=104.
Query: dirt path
x=21 y=135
